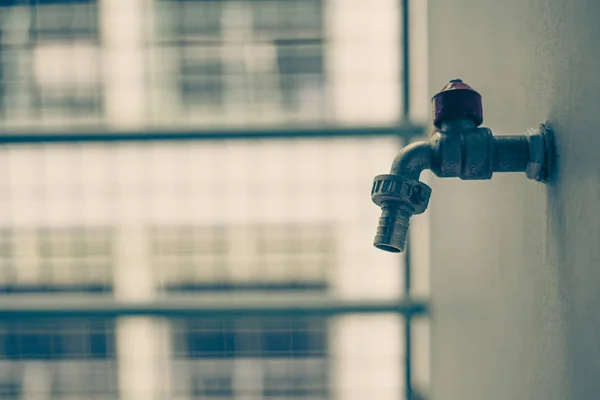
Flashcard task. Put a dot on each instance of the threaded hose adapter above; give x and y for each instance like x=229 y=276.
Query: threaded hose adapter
x=399 y=198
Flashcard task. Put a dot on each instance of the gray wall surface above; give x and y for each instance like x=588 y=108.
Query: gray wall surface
x=515 y=277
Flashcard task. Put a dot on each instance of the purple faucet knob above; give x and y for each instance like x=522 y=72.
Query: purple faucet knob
x=457 y=100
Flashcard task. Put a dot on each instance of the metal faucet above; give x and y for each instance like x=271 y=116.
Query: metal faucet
x=458 y=148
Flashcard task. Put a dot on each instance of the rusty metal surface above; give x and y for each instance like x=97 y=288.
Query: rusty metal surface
x=462 y=151
x=477 y=152
x=511 y=153
x=390 y=187
x=412 y=160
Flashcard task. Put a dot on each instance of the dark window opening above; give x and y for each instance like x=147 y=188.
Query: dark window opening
x=45 y=340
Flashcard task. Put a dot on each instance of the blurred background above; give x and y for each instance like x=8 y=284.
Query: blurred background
x=185 y=203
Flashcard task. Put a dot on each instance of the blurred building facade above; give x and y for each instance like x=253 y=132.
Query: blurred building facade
x=141 y=221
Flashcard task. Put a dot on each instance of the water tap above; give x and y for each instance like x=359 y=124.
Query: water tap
x=457 y=148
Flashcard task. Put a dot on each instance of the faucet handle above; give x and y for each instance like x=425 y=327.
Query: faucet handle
x=457 y=100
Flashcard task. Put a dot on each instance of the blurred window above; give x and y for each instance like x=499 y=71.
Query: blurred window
x=262 y=338
x=226 y=358
x=63 y=19
x=49 y=59
x=247 y=52
x=73 y=359
x=201 y=80
x=201 y=18
x=282 y=358
x=56 y=260
x=243 y=258
x=288 y=18
x=46 y=340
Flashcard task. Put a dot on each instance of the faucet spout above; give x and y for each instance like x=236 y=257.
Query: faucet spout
x=400 y=194
x=412 y=160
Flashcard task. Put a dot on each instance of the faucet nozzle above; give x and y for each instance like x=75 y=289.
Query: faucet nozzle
x=393 y=227
x=399 y=198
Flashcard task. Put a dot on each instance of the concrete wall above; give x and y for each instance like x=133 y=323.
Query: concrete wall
x=516 y=264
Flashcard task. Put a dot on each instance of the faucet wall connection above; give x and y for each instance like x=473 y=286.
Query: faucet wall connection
x=458 y=148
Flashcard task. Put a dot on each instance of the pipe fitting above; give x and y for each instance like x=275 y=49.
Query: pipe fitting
x=541 y=153
x=458 y=148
